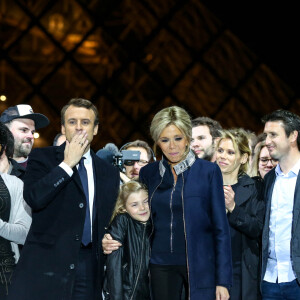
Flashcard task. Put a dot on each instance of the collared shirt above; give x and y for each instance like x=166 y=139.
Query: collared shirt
x=279 y=263
x=88 y=163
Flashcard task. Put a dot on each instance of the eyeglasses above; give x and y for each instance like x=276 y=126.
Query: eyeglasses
x=141 y=163
x=264 y=161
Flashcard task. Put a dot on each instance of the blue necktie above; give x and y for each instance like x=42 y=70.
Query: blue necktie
x=86 y=236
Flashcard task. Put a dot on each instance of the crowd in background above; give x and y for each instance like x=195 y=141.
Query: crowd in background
x=218 y=208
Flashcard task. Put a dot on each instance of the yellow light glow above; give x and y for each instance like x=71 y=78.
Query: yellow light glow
x=36 y=135
x=3 y=98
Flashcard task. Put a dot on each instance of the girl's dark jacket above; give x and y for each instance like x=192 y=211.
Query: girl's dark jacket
x=127 y=268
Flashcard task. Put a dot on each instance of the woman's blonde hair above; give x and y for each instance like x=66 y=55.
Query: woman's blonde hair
x=173 y=115
x=126 y=190
x=240 y=142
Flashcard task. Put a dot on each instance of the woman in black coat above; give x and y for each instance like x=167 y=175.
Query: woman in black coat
x=245 y=212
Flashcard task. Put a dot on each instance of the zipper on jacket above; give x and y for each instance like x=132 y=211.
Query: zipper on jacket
x=141 y=262
x=186 y=247
x=171 y=224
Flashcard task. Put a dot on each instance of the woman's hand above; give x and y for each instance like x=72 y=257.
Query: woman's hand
x=109 y=245
x=229 y=198
x=124 y=178
x=222 y=293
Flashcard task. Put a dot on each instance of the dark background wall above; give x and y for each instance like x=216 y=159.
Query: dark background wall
x=271 y=30
x=231 y=60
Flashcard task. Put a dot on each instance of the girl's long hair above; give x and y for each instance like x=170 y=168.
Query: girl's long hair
x=126 y=190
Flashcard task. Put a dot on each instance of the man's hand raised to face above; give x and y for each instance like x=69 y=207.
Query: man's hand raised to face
x=75 y=148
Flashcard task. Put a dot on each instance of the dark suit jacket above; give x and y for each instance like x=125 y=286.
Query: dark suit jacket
x=206 y=226
x=47 y=266
x=295 y=243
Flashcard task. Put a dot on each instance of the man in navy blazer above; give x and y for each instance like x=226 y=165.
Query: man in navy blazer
x=281 y=232
x=62 y=256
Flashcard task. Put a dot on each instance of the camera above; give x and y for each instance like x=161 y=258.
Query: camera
x=111 y=154
x=127 y=157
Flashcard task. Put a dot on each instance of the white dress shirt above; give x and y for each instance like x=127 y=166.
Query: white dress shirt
x=279 y=265
x=88 y=163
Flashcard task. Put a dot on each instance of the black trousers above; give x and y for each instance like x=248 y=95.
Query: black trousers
x=167 y=282
x=84 y=286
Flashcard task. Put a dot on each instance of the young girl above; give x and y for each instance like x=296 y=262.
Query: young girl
x=127 y=267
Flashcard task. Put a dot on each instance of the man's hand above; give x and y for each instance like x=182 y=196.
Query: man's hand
x=109 y=245
x=75 y=149
x=222 y=293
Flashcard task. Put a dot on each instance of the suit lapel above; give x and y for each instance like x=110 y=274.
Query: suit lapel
x=268 y=191
x=99 y=178
x=296 y=209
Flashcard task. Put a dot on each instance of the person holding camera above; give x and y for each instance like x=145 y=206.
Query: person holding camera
x=132 y=167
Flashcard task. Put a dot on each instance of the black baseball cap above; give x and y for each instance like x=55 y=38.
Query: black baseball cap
x=24 y=111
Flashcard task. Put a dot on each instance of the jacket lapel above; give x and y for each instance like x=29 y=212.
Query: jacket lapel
x=99 y=178
x=296 y=209
x=268 y=191
x=244 y=194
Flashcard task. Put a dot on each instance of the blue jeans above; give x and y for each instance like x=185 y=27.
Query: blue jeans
x=280 y=291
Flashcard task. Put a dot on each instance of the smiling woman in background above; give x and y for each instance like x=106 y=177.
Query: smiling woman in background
x=245 y=212
x=262 y=161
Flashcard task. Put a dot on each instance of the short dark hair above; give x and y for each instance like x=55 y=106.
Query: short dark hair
x=6 y=141
x=291 y=122
x=215 y=128
x=140 y=144
x=80 y=102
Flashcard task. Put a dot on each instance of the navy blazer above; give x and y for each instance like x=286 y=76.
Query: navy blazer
x=46 y=269
x=206 y=225
x=269 y=181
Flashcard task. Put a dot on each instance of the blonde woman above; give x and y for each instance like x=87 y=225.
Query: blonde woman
x=190 y=242
x=245 y=212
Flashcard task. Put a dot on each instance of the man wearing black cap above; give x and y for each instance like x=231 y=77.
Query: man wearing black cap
x=22 y=122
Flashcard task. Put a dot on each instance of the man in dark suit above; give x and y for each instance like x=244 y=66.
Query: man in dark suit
x=72 y=193
x=281 y=232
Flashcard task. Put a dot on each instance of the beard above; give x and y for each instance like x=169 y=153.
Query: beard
x=21 y=149
x=207 y=156
x=208 y=153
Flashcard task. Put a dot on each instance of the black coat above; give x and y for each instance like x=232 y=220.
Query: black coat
x=247 y=218
x=127 y=268
x=46 y=269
